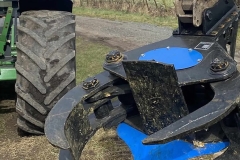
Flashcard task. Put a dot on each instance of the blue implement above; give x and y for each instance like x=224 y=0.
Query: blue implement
x=175 y=150
x=181 y=58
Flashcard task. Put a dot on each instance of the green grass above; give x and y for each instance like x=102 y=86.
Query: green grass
x=90 y=58
x=170 y=21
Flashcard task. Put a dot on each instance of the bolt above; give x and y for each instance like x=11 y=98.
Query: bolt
x=199 y=60
x=114 y=56
x=190 y=49
x=218 y=65
x=90 y=84
x=142 y=55
x=168 y=47
x=209 y=15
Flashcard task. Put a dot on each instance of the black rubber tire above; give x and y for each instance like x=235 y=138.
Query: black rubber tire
x=46 y=66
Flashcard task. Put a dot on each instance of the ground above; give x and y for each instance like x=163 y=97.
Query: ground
x=91 y=39
x=14 y=146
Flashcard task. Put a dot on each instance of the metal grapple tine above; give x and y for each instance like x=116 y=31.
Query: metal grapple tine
x=54 y=124
x=82 y=124
x=78 y=130
x=225 y=100
x=157 y=94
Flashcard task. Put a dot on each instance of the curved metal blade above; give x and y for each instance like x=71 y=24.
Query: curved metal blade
x=225 y=100
x=54 y=124
x=158 y=97
x=81 y=125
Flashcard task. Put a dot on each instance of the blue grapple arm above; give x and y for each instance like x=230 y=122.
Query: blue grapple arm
x=178 y=97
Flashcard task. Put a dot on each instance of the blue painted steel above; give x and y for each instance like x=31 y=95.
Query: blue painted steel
x=181 y=58
x=175 y=150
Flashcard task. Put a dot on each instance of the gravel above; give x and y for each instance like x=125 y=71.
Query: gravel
x=123 y=35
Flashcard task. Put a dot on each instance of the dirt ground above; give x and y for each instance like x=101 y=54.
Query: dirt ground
x=15 y=145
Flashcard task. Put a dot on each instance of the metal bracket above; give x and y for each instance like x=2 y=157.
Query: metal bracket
x=7 y=24
x=191 y=11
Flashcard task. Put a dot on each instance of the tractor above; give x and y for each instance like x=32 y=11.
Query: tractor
x=37 y=52
x=175 y=99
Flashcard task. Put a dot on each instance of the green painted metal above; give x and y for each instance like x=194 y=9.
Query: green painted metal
x=8 y=73
x=3 y=63
x=7 y=69
x=7 y=24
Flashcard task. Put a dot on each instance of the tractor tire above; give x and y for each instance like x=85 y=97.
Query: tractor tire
x=46 y=66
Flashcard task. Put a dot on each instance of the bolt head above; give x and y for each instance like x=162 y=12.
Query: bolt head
x=218 y=65
x=113 y=56
x=90 y=84
x=209 y=15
